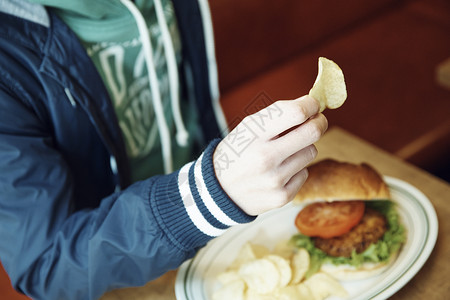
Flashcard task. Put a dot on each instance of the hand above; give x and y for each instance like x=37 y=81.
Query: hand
x=261 y=163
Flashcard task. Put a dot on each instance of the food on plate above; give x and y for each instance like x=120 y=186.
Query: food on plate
x=349 y=225
x=368 y=231
x=258 y=273
x=329 y=87
x=314 y=219
x=232 y=290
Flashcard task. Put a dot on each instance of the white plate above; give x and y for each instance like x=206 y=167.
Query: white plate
x=196 y=277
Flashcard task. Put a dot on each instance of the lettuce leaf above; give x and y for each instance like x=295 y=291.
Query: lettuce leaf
x=390 y=243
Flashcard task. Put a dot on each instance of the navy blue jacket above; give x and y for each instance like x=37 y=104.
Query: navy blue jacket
x=72 y=226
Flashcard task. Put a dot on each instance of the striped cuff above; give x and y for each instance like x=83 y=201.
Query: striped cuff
x=192 y=206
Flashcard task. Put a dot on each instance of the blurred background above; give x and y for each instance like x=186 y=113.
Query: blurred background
x=395 y=55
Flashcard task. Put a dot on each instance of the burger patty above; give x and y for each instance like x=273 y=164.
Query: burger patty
x=369 y=230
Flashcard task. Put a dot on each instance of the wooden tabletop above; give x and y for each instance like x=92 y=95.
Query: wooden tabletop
x=431 y=282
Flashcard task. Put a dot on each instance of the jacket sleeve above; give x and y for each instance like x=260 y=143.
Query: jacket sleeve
x=53 y=252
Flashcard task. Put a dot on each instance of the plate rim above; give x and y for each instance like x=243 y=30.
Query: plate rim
x=397 y=283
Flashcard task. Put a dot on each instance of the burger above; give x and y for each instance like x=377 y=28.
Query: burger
x=349 y=224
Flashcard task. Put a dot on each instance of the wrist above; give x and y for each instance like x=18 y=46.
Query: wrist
x=192 y=205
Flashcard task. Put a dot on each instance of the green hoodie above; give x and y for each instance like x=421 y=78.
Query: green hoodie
x=110 y=35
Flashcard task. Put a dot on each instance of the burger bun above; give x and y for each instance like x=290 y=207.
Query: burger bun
x=350 y=273
x=331 y=180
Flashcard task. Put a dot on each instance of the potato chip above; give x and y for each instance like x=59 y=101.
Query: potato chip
x=299 y=265
x=329 y=88
x=246 y=254
x=284 y=249
x=260 y=275
x=283 y=267
x=323 y=285
x=228 y=276
x=231 y=290
x=259 y=250
x=305 y=293
x=253 y=295
x=290 y=292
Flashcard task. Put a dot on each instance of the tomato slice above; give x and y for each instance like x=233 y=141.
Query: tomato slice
x=327 y=220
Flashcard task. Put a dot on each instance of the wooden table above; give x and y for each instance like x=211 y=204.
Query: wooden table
x=431 y=282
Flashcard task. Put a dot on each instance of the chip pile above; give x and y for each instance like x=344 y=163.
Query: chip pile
x=260 y=274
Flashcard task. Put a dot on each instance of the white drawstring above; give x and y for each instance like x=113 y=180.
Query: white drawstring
x=154 y=85
x=212 y=65
x=182 y=135
x=70 y=97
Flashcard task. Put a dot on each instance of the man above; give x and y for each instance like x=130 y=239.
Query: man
x=100 y=101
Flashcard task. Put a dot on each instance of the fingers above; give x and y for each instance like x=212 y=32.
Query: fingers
x=281 y=116
x=295 y=183
x=268 y=152
x=296 y=162
x=302 y=136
